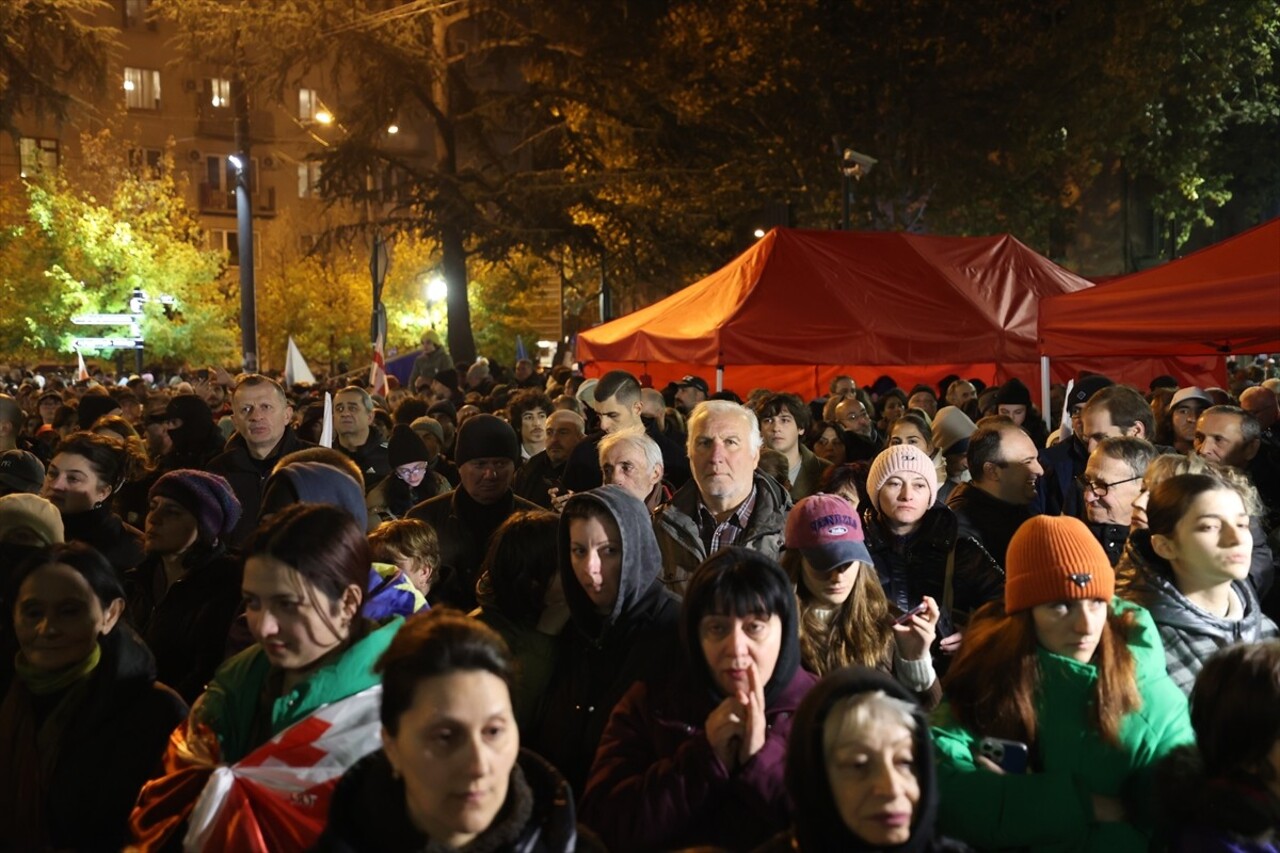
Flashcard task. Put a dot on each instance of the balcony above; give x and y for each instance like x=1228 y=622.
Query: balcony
x=215 y=199
x=220 y=122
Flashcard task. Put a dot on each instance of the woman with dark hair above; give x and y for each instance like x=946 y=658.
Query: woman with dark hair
x=130 y=501
x=83 y=722
x=521 y=597
x=826 y=440
x=1223 y=794
x=912 y=428
x=1072 y=680
x=184 y=596
x=890 y=406
x=451 y=774
x=844 y=617
x=308 y=675
x=84 y=475
x=860 y=770
x=1190 y=569
x=849 y=481
x=697 y=757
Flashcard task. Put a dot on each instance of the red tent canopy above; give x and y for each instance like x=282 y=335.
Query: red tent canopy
x=800 y=307
x=1225 y=298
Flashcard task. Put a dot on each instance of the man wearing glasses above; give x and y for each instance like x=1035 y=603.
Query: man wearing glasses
x=1112 y=480
x=858 y=422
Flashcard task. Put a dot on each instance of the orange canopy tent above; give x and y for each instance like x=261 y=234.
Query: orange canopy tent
x=800 y=307
x=1225 y=298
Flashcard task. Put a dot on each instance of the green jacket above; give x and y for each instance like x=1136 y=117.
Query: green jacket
x=231 y=704
x=1050 y=809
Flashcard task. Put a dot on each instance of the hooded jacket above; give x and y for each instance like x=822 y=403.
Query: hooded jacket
x=1050 y=809
x=675 y=524
x=602 y=655
x=657 y=784
x=367 y=813
x=817 y=826
x=1190 y=635
x=108 y=747
x=248 y=477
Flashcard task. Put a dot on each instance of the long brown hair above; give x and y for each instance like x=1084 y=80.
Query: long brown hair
x=858 y=632
x=993 y=683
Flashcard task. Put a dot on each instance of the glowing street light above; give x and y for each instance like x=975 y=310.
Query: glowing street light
x=759 y=232
x=324 y=117
x=437 y=290
x=393 y=129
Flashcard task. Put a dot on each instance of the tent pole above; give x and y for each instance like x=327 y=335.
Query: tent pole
x=1045 y=408
x=719 y=378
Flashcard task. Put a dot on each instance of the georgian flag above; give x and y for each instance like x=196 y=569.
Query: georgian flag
x=378 y=370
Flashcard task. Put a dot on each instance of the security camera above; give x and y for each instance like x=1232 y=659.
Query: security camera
x=856 y=165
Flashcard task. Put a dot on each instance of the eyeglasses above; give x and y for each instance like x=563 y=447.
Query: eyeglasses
x=404 y=472
x=1100 y=488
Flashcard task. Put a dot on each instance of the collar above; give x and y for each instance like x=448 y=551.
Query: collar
x=738 y=517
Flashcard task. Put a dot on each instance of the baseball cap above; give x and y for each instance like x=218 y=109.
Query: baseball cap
x=21 y=471
x=1086 y=388
x=691 y=381
x=826 y=531
x=587 y=393
x=1190 y=393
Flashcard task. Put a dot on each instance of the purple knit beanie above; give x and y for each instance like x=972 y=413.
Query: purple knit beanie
x=206 y=496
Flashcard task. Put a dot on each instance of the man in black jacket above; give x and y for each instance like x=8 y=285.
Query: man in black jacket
x=1004 y=465
x=357 y=437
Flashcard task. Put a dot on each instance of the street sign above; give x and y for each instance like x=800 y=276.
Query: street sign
x=104 y=319
x=105 y=343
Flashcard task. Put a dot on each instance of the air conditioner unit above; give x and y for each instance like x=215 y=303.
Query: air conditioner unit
x=194 y=156
x=269 y=162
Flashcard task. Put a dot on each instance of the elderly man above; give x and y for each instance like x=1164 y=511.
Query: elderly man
x=862 y=442
x=466 y=518
x=1264 y=405
x=616 y=399
x=262 y=414
x=727 y=502
x=1111 y=481
x=1004 y=466
x=783 y=419
x=961 y=394
x=358 y=439
x=631 y=459
x=542 y=472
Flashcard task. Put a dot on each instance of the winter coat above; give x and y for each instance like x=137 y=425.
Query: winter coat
x=657 y=784
x=464 y=528
x=233 y=704
x=1050 y=809
x=1228 y=813
x=817 y=826
x=582 y=470
x=676 y=526
x=1112 y=538
x=1057 y=492
x=120 y=543
x=186 y=625
x=108 y=747
x=389 y=592
x=248 y=477
x=919 y=567
x=811 y=470
x=392 y=497
x=368 y=813
x=599 y=656
x=428 y=364
x=1190 y=635
x=536 y=476
x=371 y=457
x=987 y=520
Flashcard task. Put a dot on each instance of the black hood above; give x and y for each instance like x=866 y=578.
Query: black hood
x=641 y=559
x=198 y=433
x=788 y=656
x=818 y=825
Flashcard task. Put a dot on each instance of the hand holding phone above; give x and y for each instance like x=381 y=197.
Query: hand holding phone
x=915 y=611
x=1010 y=756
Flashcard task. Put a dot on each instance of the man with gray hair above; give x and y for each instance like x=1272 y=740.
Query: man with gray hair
x=542 y=471
x=358 y=438
x=726 y=502
x=631 y=459
x=1111 y=481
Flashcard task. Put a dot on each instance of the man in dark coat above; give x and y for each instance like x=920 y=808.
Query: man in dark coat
x=357 y=437
x=1063 y=463
x=1005 y=468
x=543 y=471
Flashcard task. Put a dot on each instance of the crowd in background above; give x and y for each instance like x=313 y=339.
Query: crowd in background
x=530 y=610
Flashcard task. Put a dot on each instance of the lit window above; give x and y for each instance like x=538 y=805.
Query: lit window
x=37 y=155
x=142 y=88
x=135 y=13
x=308 y=104
x=218 y=91
x=308 y=180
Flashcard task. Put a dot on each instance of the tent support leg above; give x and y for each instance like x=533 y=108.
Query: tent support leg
x=1045 y=409
x=719 y=378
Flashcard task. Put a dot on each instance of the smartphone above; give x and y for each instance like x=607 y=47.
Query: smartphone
x=1010 y=755
x=915 y=611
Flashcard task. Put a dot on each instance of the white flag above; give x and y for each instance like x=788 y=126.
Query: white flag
x=326 y=429
x=295 y=367
x=83 y=375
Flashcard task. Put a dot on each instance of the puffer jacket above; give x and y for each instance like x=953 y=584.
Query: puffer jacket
x=1190 y=635
x=675 y=524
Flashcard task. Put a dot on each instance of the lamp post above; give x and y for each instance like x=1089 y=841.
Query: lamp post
x=244 y=225
x=854 y=166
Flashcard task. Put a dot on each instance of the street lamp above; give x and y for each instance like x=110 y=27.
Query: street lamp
x=244 y=236
x=854 y=166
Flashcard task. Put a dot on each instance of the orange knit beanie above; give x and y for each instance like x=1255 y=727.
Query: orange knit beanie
x=1055 y=558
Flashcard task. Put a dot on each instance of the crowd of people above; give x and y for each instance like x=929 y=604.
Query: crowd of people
x=536 y=611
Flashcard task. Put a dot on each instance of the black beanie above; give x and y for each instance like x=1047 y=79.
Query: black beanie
x=92 y=407
x=485 y=436
x=405 y=447
x=1013 y=393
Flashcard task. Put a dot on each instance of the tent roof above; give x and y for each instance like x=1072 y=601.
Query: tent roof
x=840 y=298
x=1220 y=299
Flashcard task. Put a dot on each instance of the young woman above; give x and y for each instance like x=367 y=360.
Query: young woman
x=1074 y=680
x=82 y=478
x=912 y=428
x=696 y=757
x=1190 y=569
x=521 y=598
x=83 y=722
x=184 y=596
x=917 y=549
x=1223 y=794
x=891 y=406
x=844 y=617
x=130 y=500
x=622 y=624
x=860 y=769
x=451 y=774
x=826 y=440
x=310 y=673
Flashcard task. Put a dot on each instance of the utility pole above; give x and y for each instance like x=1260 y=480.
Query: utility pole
x=244 y=225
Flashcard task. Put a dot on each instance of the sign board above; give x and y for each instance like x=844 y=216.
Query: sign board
x=105 y=343
x=104 y=319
